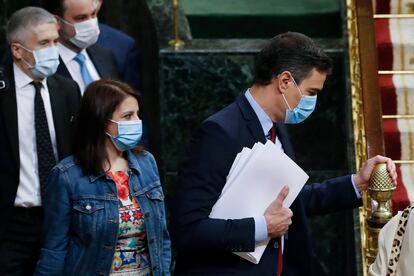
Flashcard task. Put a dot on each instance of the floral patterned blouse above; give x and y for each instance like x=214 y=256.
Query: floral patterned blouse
x=131 y=253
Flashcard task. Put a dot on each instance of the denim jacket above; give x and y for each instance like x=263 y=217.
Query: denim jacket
x=81 y=219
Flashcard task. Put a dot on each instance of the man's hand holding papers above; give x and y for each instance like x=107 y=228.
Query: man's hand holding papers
x=278 y=218
x=257 y=177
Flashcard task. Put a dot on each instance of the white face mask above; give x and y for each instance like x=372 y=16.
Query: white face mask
x=87 y=33
x=46 y=61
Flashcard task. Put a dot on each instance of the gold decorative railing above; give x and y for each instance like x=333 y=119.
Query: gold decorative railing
x=367 y=119
x=396 y=72
x=357 y=111
x=392 y=16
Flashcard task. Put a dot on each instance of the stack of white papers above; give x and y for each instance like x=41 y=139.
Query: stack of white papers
x=254 y=181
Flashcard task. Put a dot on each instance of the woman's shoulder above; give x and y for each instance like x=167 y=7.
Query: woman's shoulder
x=144 y=161
x=67 y=164
x=141 y=157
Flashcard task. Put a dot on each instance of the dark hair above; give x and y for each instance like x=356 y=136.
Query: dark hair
x=99 y=102
x=293 y=52
x=53 y=6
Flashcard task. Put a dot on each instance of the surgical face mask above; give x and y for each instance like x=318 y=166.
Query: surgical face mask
x=129 y=134
x=46 y=61
x=87 y=33
x=302 y=111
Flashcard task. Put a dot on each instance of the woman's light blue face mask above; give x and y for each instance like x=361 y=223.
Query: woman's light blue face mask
x=129 y=134
x=302 y=111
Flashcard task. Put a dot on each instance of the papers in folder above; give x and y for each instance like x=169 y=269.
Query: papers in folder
x=254 y=181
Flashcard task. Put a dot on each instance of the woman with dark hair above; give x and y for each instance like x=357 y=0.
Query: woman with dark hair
x=104 y=208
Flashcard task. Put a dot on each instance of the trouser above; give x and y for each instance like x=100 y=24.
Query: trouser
x=21 y=243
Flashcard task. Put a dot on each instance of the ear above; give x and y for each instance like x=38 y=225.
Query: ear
x=98 y=4
x=59 y=22
x=283 y=80
x=16 y=51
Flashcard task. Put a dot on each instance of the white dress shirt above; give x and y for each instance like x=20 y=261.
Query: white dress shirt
x=28 y=192
x=68 y=56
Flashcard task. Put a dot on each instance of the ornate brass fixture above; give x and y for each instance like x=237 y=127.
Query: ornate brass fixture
x=176 y=43
x=380 y=189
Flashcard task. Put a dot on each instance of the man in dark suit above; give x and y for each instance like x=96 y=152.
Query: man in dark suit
x=290 y=72
x=81 y=58
x=37 y=113
x=125 y=51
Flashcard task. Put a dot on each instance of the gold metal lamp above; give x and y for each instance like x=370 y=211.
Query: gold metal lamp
x=176 y=43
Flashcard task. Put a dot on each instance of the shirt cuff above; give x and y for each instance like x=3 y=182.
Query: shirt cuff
x=260 y=226
x=355 y=188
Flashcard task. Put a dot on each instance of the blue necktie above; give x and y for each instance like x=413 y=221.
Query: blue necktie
x=80 y=59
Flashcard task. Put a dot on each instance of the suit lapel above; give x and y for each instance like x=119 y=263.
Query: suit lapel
x=100 y=63
x=256 y=129
x=283 y=137
x=57 y=103
x=62 y=69
x=103 y=35
x=8 y=105
x=250 y=117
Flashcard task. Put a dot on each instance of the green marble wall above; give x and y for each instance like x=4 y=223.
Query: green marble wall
x=206 y=75
x=262 y=18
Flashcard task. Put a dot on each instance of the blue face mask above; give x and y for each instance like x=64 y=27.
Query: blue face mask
x=47 y=61
x=129 y=134
x=302 y=111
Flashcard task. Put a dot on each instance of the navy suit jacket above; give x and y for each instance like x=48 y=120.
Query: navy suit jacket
x=125 y=51
x=204 y=245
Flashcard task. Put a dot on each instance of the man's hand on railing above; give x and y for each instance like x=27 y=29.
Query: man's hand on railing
x=362 y=177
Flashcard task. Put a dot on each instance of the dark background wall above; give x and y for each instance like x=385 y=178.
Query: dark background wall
x=7 y=7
